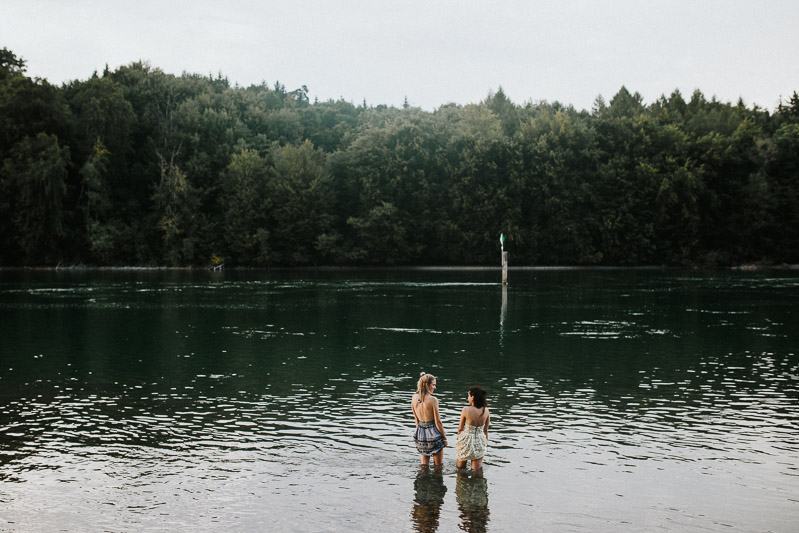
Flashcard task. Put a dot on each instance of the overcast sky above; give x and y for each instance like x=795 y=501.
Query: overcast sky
x=432 y=52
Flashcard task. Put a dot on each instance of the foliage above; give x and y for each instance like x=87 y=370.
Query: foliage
x=138 y=166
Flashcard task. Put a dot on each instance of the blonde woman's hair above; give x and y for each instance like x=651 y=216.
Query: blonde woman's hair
x=421 y=386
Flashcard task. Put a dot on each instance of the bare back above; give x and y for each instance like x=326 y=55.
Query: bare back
x=425 y=410
x=475 y=417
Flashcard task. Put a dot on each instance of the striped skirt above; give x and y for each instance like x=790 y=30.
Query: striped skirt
x=428 y=439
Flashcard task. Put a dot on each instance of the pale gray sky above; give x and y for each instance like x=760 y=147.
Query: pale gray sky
x=432 y=52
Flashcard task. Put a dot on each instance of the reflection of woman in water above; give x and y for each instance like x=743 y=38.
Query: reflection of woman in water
x=471 y=493
x=429 y=491
x=473 y=430
x=429 y=436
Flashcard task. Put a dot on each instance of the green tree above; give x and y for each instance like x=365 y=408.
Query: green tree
x=624 y=104
x=34 y=177
x=246 y=207
x=177 y=204
x=382 y=237
x=559 y=166
x=102 y=112
x=95 y=203
x=394 y=161
x=483 y=193
x=301 y=203
x=782 y=175
x=10 y=65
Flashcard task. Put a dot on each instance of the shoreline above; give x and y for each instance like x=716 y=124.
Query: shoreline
x=751 y=267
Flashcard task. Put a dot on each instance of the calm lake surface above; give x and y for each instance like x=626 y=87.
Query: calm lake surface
x=621 y=400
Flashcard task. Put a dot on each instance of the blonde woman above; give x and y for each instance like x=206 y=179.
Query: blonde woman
x=429 y=435
x=473 y=430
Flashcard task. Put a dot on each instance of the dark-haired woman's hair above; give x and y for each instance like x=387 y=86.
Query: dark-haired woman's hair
x=479 y=395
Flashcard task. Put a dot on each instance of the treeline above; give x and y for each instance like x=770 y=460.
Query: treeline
x=139 y=167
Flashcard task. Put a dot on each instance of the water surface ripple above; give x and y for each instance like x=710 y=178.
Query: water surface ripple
x=638 y=401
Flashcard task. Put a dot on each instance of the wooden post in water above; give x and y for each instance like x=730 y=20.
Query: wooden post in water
x=504 y=259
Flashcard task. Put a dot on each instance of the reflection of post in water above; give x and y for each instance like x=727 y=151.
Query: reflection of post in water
x=429 y=491
x=504 y=259
x=471 y=493
x=504 y=291
x=502 y=314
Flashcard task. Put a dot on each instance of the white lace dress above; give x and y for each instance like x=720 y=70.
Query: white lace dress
x=471 y=444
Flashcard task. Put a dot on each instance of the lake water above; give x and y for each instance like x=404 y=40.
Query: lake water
x=620 y=400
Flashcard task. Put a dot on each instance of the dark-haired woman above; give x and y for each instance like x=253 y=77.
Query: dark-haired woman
x=473 y=430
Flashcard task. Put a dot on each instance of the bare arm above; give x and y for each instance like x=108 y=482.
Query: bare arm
x=463 y=420
x=439 y=425
x=485 y=427
x=413 y=408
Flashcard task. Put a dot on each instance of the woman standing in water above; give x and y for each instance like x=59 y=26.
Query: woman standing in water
x=473 y=430
x=429 y=436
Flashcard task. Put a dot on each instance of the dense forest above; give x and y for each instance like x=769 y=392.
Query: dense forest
x=139 y=167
